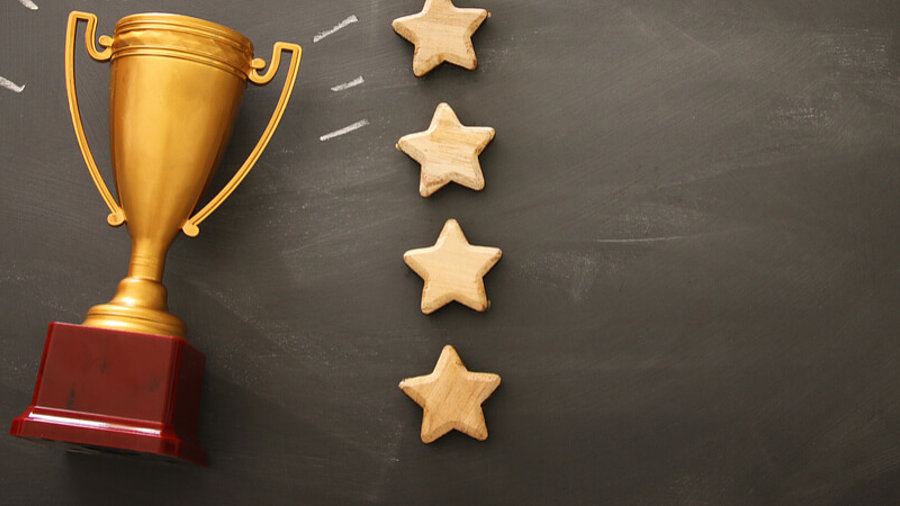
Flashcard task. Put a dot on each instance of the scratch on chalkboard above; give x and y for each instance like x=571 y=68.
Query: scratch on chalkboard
x=343 y=86
x=321 y=35
x=660 y=27
x=9 y=85
x=347 y=129
x=28 y=3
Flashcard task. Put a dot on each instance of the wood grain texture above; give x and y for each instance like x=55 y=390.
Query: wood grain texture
x=441 y=33
x=453 y=270
x=451 y=397
x=448 y=151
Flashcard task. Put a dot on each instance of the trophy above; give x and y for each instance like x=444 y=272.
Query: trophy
x=126 y=379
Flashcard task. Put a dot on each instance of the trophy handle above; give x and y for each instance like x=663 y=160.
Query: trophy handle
x=190 y=227
x=116 y=215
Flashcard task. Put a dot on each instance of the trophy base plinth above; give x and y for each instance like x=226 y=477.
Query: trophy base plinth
x=116 y=390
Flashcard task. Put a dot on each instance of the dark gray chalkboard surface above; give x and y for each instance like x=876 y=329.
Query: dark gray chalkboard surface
x=698 y=204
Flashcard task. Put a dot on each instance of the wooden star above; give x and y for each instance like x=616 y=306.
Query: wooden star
x=441 y=32
x=448 y=151
x=453 y=270
x=451 y=397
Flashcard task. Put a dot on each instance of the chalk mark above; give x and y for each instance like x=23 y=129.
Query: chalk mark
x=643 y=239
x=666 y=238
x=356 y=82
x=28 y=3
x=347 y=129
x=9 y=85
x=350 y=20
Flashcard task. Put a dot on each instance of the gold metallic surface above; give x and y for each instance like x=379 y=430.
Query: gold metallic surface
x=175 y=88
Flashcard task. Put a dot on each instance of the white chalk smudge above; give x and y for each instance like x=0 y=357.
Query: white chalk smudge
x=347 y=129
x=28 y=3
x=573 y=274
x=9 y=85
x=350 y=20
x=356 y=82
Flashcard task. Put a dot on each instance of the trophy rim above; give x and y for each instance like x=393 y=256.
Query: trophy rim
x=181 y=20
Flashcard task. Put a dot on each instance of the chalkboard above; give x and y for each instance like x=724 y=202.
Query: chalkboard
x=698 y=205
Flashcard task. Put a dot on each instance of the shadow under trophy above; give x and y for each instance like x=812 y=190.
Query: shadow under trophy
x=126 y=379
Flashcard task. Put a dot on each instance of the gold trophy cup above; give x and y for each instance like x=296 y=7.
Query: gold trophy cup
x=175 y=88
x=176 y=84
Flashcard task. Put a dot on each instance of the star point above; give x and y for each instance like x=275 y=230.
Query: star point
x=447 y=151
x=451 y=397
x=441 y=32
x=453 y=270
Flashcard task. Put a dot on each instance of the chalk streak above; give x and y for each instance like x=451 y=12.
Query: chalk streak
x=356 y=82
x=28 y=3
x=9 y=85
x=643 y=239
x=350 y=20
x=347 y=129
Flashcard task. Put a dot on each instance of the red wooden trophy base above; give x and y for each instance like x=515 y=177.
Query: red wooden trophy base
x=118 y=390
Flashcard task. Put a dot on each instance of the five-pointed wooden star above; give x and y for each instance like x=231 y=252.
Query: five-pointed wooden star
x=451 y=397
x=453 y=270
x=448 y=151
x=441 y=32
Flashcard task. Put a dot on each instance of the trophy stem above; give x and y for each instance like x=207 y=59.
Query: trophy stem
x=140 y=301
x=147 y=262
